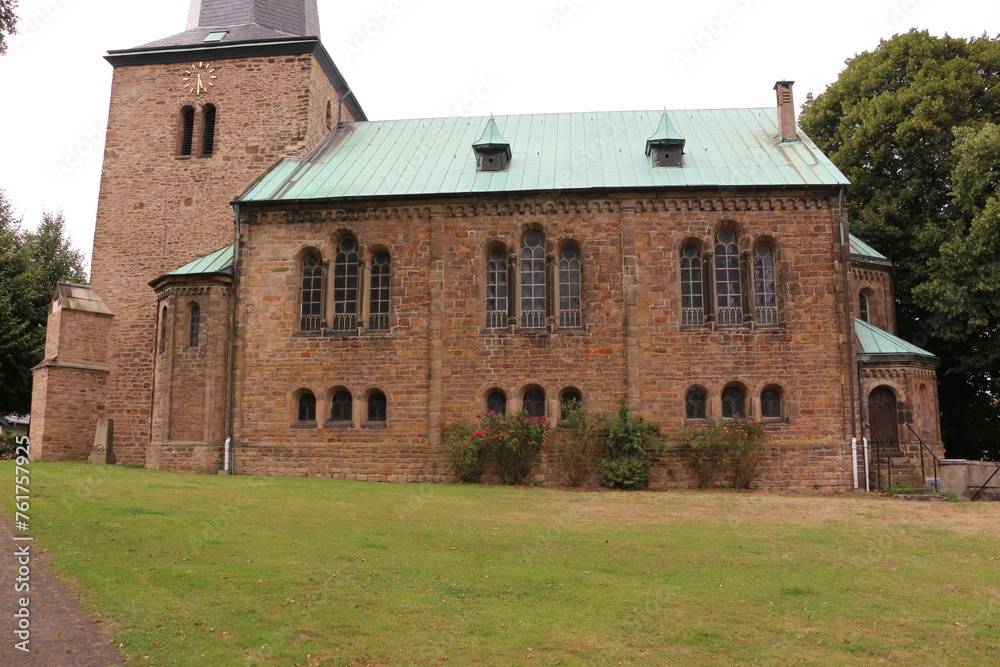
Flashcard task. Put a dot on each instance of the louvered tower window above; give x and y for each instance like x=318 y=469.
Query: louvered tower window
x=764 y=286
x=187 y=130
x=728 y=295
x=532 y=281
x=692 y=297
x=208 y=145
x=345 y=286
x=378 y=319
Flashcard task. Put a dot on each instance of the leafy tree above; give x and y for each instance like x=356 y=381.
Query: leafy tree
x=33 y=262
x=908 y=123
x=8 y=21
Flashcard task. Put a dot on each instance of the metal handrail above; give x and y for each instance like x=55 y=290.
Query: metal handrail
x=985 y=484
x=937 y=470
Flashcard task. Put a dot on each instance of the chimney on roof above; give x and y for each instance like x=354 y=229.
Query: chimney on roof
x=786 y=111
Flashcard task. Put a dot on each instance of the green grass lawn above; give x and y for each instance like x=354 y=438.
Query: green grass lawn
x=197 y=570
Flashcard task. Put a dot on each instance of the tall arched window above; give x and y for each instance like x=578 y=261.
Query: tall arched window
x=692 y=287
x=728 y=294
x=345 y=286
x=208 y=143
x=863 y=306
x=307 y=407
x=496 y=289
x=378 y=303
x=770 y=404
x=496 y=402
x=534 y=403
x=376 y=408
x=342 y=407
x=187 y=130
x=570 y=314
x=733 y=403
x=533 y=280
x=312 y=293
x=764 y=285
x=694 y=404
x=194 y=326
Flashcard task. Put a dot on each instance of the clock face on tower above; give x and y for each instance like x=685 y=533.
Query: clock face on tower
x=199 y=78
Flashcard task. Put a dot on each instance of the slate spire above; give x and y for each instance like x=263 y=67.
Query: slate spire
x=294 y=17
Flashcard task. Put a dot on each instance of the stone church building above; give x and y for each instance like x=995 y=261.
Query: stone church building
x=281 y=283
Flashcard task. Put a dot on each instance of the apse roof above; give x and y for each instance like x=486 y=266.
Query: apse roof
x=874 y=343
x=862 y=252
x=219 y=261
x=725 y=148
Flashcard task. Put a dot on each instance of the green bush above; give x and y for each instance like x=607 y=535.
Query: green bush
x=717 y=446
x=513 y=440
x=628 y=443
x=467 y=454
x=581 y=444
x=8 y=443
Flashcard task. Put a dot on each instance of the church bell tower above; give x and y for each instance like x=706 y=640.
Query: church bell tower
x=194 y=118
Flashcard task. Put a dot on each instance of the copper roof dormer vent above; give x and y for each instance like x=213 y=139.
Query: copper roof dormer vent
x=492 y=150
x=666 y=146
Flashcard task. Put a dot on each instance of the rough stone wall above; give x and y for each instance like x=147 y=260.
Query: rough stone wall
x=438 y=256
x=158 y=210
x=877 y=284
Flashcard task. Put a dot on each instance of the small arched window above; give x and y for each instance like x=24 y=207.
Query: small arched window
x=770 y=404
x=312 y=293
x=534 y=403
x=496 y=402
x=187 y=130
x=533 y=280
x=764 y=286
x=863 y=306
x=496 y=289
x=307 y=407
x=208 y=142
x=378 y=319
x=694 y=404
x=376 y=408
x=733 y=403
x=345 y=286
x=692 y=287
x=569 y=401
x=570 y=314
x=194 y=326
x=342 y=407
x=728 y=293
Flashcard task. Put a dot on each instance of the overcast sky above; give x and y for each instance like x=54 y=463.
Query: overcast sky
x=419 y=58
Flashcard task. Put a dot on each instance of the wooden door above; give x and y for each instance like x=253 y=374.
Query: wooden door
x=883 y=420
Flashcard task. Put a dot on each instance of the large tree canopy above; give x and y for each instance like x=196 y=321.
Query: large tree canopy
x=913 y=126
x=8 y=21
x=33 y=262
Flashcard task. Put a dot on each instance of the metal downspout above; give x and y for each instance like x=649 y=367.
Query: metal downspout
x=230 y=399
x=848 y=320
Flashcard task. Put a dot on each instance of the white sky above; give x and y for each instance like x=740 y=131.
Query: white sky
x=442 y=57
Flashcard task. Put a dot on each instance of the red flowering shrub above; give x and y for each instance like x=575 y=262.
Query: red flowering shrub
x=716 y=446
x=513 y=440
x=466 y=453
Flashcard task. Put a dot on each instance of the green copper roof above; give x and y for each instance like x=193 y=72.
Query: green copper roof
x=864 y=252
x=874 y=343
x=220 y=261
x=550 y=152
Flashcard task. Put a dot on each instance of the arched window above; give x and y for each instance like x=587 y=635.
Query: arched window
x=533 y=280
x=378 y=319
x=733 y=403
x=345 y=286
x=194 y=327
x=570 y=400
x=534 y=403
x=496 y=289
x=770 y=404
x=342 y=407
x=764 y=287
x=187 y=130
x=863 y=307
x=692 y=287
x=163 y=330
x=208 y=144
x=312 y=293
x=728 y=293
x=376 y=408
x=694 y=404
x=307 y=407
x=569 y=288
x=496 y=402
